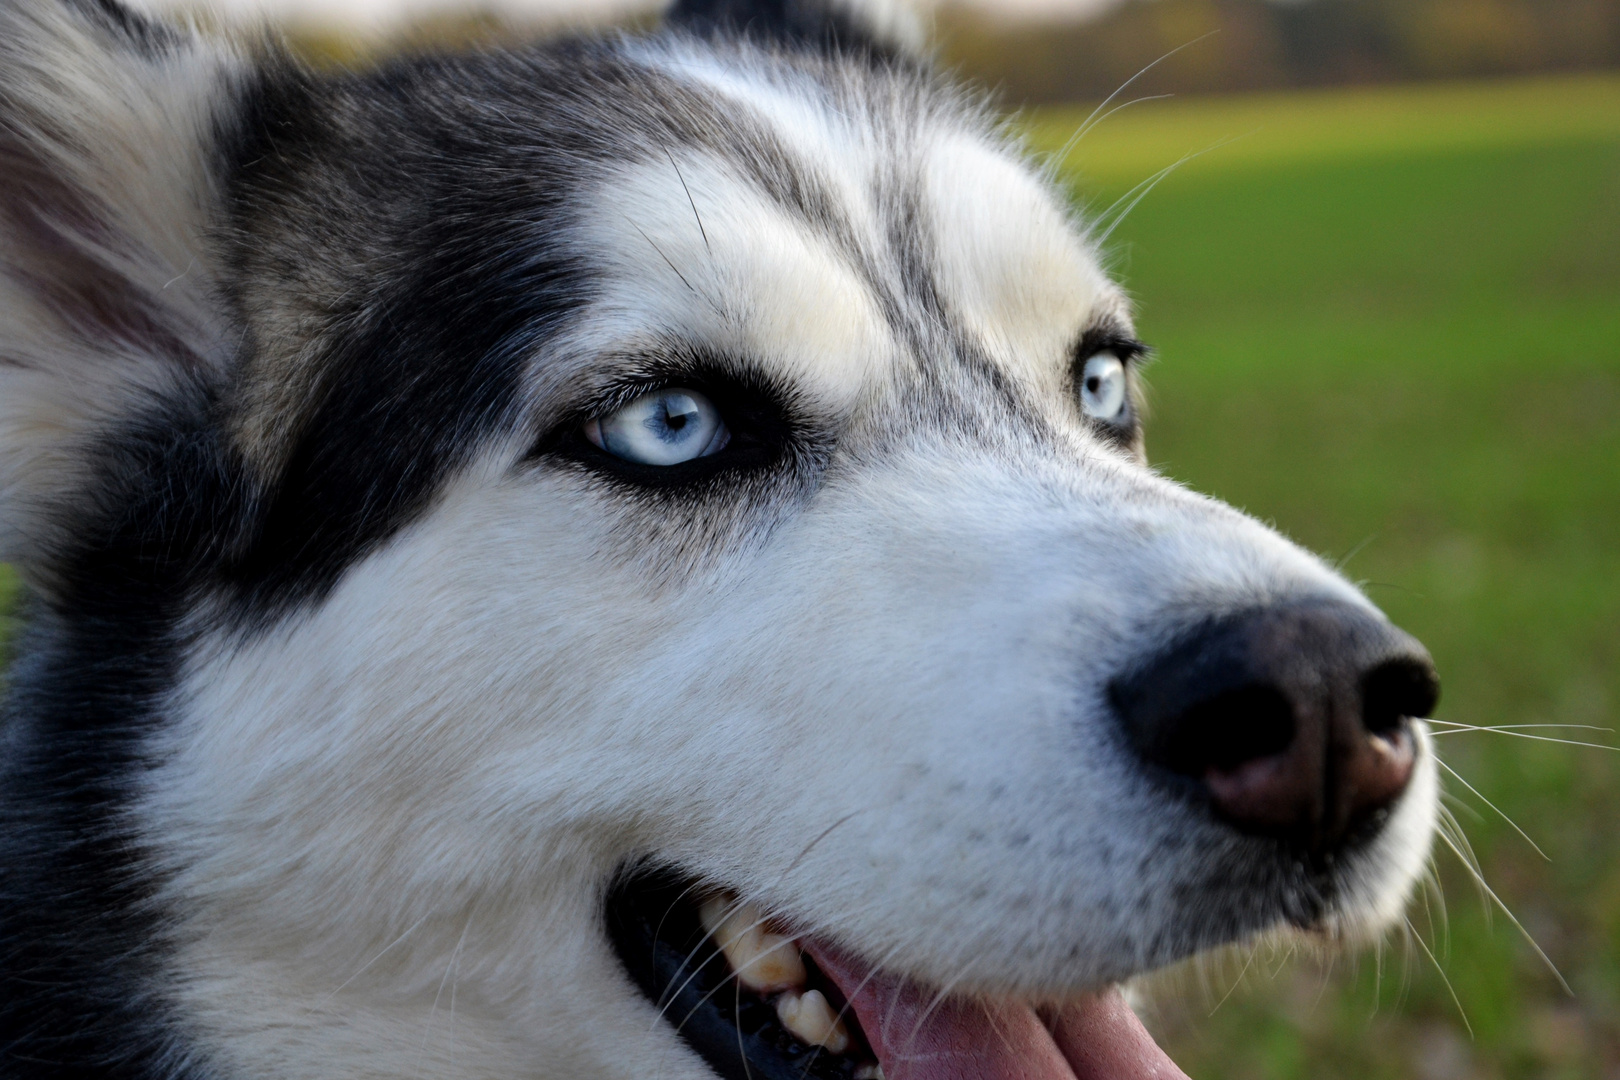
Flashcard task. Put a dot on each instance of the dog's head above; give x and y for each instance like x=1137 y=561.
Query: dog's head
x=570 y=519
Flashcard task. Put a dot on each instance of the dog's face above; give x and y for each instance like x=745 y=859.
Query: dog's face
x=656 y=480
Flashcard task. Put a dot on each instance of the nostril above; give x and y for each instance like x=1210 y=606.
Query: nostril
x=1228 y=730
x=1375 y=772
x=1293 y=721
x=1378 y=769
x=1397 y=691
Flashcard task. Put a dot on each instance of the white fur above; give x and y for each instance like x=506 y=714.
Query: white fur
x=714 y=260
x=1011 y=266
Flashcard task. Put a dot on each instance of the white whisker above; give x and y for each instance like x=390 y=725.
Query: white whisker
x=1237 y=981
x=1515 y=825
x=1340 y=563
x=363 y=967
x=1147 y=187
x=1452 y=830
x=455 y=958
x=1378 y=976
x=1094 y=119
x=1520 y=727
x=1509 y=729
x=1457 y=802
x=1057 y=159
x=1514 y=919
x=1455 y=1000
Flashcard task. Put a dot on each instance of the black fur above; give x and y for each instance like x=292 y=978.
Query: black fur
x=178 y=514
x=430 y=367
x=79 y=956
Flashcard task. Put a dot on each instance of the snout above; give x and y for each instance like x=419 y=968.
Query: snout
x=1292 y=721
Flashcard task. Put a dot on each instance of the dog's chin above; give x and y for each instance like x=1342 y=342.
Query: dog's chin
x=757 y=1002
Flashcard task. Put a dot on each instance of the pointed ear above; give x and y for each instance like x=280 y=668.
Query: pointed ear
x=109 y=132
x=882 y=28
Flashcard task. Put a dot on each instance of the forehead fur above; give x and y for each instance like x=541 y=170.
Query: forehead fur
x=409 y=247
x=1011 y=268
x=693 y=251
x=441 y=185
x=893 y=224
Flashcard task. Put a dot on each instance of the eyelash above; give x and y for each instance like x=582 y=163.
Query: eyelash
x=1096 y=340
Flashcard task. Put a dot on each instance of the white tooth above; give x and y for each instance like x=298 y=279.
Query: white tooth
x=871 y=1070
x=763 y=961
x=712 y=912
x=811 y=1018
x=775 y=966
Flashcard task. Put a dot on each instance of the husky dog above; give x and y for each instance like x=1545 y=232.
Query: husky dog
x=624 y=558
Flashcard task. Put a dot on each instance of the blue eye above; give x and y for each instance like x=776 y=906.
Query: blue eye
x=1102 y=387
x=665 y=427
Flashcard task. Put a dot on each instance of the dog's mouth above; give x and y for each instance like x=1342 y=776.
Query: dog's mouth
x=758 y=1003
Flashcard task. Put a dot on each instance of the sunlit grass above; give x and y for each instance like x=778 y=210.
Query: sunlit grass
x=1389 y=321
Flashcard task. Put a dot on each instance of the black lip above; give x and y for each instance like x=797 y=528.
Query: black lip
x=653 y=925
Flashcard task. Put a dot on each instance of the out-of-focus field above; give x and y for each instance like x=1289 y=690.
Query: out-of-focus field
x=1389 y=321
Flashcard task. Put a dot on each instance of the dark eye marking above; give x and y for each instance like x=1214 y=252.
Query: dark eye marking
x=757 y=428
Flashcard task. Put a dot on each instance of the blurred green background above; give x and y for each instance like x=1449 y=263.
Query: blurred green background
x=1072 y=50
x=1388 y=320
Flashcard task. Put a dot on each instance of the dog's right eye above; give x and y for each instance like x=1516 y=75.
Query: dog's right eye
x=664 y=427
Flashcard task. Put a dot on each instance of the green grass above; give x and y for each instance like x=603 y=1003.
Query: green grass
x=1389 y=322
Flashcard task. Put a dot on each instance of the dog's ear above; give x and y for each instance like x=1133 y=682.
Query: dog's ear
x=110 y=126
x=881 y=28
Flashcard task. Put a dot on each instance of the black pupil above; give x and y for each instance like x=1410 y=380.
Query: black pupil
x=676 y=420
x=1094 y=383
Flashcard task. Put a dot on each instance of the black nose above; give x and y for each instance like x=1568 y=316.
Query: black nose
x=1294 y=720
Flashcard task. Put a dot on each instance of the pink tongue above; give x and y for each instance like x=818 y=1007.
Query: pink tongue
x=917 y=1037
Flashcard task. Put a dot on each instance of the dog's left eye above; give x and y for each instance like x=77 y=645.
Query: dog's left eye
x=665 y=427
x=1102 y=387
